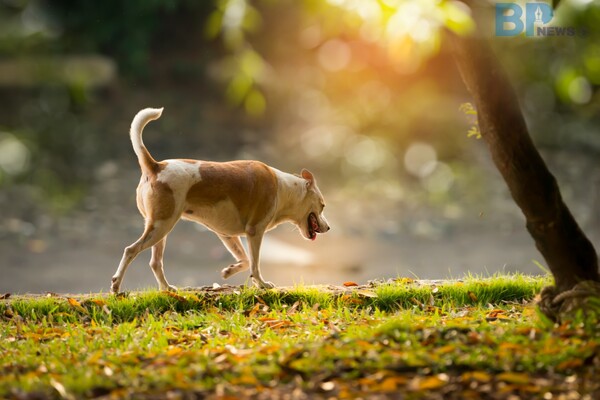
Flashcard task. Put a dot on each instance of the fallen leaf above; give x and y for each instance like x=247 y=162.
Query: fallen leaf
x=274 y=323
x=95 y=357
x=429 y=382
x=220 y=358
x=174 y=351
x=350 y=283
x=507 y=346
x=60 y=388
x=254 y=310
x=76 y=305
x=99 y=302
x=473 y=337
x=391 y=383
x=174 y=295
x=495 y=313
x=569 y=364
x=8 y=313
x=366 y=293
x=293 y=308
x=246 y=379
x=446 y=349
x=514 y=377
x=472 y=296
x=193 y=297
x=478 y=376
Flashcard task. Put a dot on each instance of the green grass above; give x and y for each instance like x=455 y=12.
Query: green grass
x=478 y=336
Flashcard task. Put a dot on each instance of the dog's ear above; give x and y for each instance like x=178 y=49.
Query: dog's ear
x=310 y=179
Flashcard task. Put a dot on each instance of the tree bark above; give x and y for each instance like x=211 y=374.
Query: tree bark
x=569 y=254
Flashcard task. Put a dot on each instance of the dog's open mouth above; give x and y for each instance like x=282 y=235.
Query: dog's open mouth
x=313 y=226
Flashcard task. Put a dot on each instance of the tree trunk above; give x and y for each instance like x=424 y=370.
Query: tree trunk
x=568 y=252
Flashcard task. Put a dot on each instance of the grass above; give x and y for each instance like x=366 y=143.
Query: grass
x=476 y=337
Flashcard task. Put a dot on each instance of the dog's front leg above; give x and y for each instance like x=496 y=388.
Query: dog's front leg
x=254 y=242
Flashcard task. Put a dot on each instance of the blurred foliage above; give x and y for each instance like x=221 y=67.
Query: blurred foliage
x=471 y=115
x=125 y=30
x=365 y=90
x=233 y=21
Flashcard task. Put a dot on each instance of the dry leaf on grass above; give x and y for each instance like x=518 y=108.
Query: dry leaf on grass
x=76 y=305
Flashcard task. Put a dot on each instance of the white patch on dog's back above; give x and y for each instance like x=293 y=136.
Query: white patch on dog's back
x=180 y=175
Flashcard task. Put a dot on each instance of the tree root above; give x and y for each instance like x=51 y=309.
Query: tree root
x=563 y=306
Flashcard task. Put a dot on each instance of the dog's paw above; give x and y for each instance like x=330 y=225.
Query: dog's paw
x=234 y=269
x=227 y=272
x=171 y=288
x=115 y=285
x=268 y=285
x=263 y=284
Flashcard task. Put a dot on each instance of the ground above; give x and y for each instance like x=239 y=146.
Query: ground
x=473 y=338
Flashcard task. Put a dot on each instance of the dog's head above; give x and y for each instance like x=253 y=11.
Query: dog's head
x=311 y=219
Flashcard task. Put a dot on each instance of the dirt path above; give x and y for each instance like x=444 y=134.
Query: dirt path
x=80 y=252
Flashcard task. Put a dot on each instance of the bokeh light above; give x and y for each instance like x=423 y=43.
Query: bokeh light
x=580 y=90
x=420 y=159
x=440 y=179
x=14 y=155
x=366 y=154
x=334 y=55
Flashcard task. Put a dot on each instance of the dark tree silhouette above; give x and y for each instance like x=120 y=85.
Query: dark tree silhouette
x=569 y=254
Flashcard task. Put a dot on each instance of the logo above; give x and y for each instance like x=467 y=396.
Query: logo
x=512 y=20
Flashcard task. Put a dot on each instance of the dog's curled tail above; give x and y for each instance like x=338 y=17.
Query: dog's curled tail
x=141 y=119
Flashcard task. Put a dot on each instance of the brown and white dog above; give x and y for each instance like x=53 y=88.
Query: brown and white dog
x=230 y=198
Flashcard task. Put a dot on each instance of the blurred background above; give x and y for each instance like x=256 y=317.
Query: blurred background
x=364 y=93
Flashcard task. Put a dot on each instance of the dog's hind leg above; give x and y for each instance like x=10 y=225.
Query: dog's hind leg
x=235 y=247
x=156 y=263
x=154 y=232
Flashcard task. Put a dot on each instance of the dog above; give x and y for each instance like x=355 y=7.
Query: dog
x=230 y=198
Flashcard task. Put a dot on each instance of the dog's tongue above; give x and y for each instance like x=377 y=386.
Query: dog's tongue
x=314 y=225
